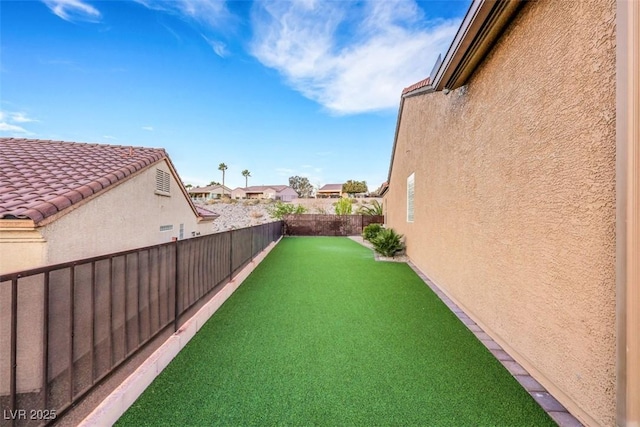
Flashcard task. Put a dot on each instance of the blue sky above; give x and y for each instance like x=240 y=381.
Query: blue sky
x=281 y=88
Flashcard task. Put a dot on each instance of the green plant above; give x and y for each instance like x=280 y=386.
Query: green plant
x=246 y=175
x=280 y=209
x=374 y=209
x=353 y=187
x=344 y=207
x=371 y=231
x=387 y=242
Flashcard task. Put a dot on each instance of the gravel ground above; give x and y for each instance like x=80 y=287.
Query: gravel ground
x=245 y=213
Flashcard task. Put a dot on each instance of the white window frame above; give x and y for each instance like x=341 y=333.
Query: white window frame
x=411 y=197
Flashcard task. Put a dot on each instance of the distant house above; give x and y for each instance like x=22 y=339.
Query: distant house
x=330 y=190
x=61 y=201
x=210 y=192
x=274 y=192
x=515 y=179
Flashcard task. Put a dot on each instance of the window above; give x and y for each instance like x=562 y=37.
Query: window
x=166 y=227
x=181 y=235
x=162 y=182
x=410 y=191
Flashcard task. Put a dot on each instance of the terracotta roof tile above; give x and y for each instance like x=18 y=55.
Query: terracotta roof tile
x=420 y=84
x=85 y=190
x=206 y=213
x=39 y=178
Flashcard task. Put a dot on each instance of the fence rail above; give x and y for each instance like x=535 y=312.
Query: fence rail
x=328 y=225
x=65 y=328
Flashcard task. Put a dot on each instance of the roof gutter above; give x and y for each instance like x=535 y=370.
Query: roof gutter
x=480 y=28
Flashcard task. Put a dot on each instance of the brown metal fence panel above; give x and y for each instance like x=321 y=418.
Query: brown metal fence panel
x=65 y=328
x=328 y=225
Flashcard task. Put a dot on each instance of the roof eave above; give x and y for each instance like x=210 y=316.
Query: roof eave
x=482 y=25
x=480 y=28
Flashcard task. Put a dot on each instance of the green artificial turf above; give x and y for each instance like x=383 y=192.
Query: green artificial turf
x=321 y=334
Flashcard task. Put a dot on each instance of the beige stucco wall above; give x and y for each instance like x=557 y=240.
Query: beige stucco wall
x=21 y=246
x=515 y=197
x=125 y=217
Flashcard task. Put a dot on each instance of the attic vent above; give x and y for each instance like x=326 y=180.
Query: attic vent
x=162 y=182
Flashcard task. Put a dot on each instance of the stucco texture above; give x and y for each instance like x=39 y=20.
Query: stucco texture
x=515 y=197
x=125 y=217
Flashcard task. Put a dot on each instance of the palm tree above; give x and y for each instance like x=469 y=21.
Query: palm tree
x=246 y=175
x=222 y=167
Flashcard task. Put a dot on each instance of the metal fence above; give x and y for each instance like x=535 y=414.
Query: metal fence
x=65 y=328
x=328 y=225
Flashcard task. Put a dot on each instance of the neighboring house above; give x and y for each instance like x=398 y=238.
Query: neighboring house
x=62 y=201
x=329 y=190
x=274 y=192
x=515 y=178
x=210 y=192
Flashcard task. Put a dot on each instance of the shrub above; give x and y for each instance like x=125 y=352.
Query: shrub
x=344 y=207
x=374 y=209
x=280 y=209
x=387 y=242
x=371 y=231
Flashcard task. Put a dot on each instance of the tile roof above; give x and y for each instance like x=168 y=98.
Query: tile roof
x=420 y=84
x=331 y=187
x=207 y=189
x=39 y=178
x=261 y=188
x=206 y=213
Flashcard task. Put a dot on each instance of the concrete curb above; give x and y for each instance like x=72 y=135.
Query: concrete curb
x=117 y=403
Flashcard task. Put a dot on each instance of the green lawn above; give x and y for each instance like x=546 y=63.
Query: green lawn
x=321 y=334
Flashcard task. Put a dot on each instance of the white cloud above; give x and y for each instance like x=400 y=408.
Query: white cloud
x=206 y=16
x=73 y=10
x=6 y=127
x=218 y=47
x=149 y=128
x=11 y=123
x=390 y=46
x=20 y=117
x=109 y=137
x=211 y=13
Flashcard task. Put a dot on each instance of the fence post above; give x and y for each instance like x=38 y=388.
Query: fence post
x=176 y=317
x=230 y=255
x=14 y=347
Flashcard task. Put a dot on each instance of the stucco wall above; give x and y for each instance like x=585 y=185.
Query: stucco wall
x=125 y=217
x=21 y=246
x=515 y=197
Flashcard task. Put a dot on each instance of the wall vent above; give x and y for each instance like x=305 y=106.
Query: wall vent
x=163 y=179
